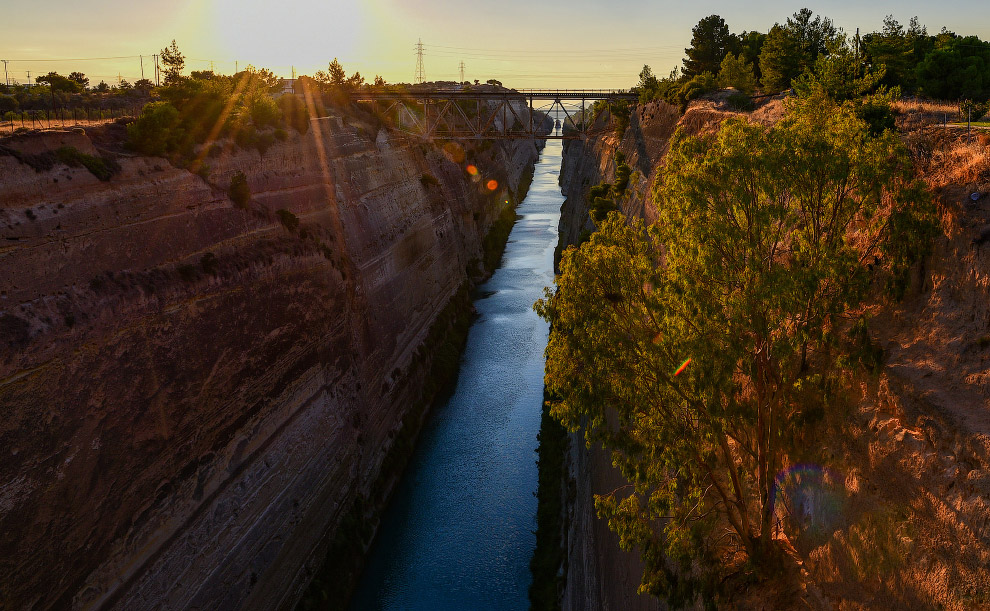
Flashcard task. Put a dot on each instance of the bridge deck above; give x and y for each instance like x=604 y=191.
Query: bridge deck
x=535 y=94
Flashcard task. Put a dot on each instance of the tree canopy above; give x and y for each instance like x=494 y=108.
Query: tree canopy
x=710 y=41
x=173 y=61
x=768 y=240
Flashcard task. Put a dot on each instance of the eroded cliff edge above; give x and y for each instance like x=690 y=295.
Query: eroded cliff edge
x=194 y=393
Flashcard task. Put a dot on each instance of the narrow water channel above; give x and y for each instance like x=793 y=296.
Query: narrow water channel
x=458 y=533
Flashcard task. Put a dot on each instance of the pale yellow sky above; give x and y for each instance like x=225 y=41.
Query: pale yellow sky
x=551 y=43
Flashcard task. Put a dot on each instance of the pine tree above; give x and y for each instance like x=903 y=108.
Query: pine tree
x=174 y=62
x=710 y=42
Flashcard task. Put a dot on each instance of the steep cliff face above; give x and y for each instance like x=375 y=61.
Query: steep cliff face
x=192 y=393
x=909 y=526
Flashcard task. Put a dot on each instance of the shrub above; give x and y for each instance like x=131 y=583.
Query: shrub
x=187 y=272
x=263 y=142
x=99 y=167
x=246 y=136
x=209 y=264
x=289 y=221
x=877 y=114
x=156 y=131
x=239 y=191
x=264 y=112
x=294 y=112
x=741 y=101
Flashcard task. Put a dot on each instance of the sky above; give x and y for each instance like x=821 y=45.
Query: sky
x=523 y=43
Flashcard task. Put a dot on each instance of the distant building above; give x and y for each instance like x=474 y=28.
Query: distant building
x=288 y=85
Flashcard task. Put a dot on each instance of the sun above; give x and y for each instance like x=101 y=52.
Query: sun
x=277 y=35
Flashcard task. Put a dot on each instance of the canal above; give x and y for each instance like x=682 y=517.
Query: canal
x=458 y=533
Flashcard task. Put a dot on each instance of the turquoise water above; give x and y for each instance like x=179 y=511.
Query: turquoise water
x=458 y=533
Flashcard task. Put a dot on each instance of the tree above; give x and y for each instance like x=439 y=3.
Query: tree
x=749 y=272
x=336 y=75
x=750 y=46
x=174 y=62
x=812 y=35
x=959 y=68
x=494 y=82
x=102 y=87
x=59 y=83
x=648 y=85
x=144 y=85
x=780 y=59
x=893 y=50
x=736 y=72
x=710 y=42
x=379 y=81
x=80 y=78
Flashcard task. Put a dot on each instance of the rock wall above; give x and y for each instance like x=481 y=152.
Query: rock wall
x=191 y=392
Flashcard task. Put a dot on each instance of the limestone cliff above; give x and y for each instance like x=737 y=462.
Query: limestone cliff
x=192 y=392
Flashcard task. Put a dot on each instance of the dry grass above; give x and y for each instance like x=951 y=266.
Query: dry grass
x=950 y=157
x=926 y=106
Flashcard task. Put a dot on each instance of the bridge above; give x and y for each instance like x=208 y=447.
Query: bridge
x=483 y=114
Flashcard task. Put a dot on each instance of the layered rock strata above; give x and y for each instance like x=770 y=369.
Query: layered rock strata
x=193 y=392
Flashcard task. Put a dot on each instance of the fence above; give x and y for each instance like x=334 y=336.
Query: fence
x=11 y=122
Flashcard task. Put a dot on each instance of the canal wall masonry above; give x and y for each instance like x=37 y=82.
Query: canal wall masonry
x=193 y=392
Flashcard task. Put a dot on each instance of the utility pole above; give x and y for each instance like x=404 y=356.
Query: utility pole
x=462 y=71
x=6 y=79
x=157 y=80
x=142 y=66
x=235 y=67
x=420 y=72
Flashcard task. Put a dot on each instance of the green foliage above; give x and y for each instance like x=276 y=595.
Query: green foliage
x=973 y=111
x=603 y=197
x=750 y=271
x=548 y=557
x=336 y=75
x=289 y=221
x=710 y=41
x=8 y=103
x=780 y=59
x=59 y=83
x=81 y=79
x=741 y=101
x=695 y=88
x=264 y=112
x=960 y=68
x=100 y=167
x=173 y=62
x=239 y=191
x=840 y=74
x=156 y=130
x=294 y=112
x=737 y=73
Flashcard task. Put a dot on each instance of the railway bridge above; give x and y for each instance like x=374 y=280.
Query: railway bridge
x=485 y=114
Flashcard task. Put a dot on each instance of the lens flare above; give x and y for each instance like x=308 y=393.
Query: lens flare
x=472 y=169
x=683 y=366
x=492 y=184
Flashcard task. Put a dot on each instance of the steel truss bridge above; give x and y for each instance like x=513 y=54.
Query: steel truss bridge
x=486 y=115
